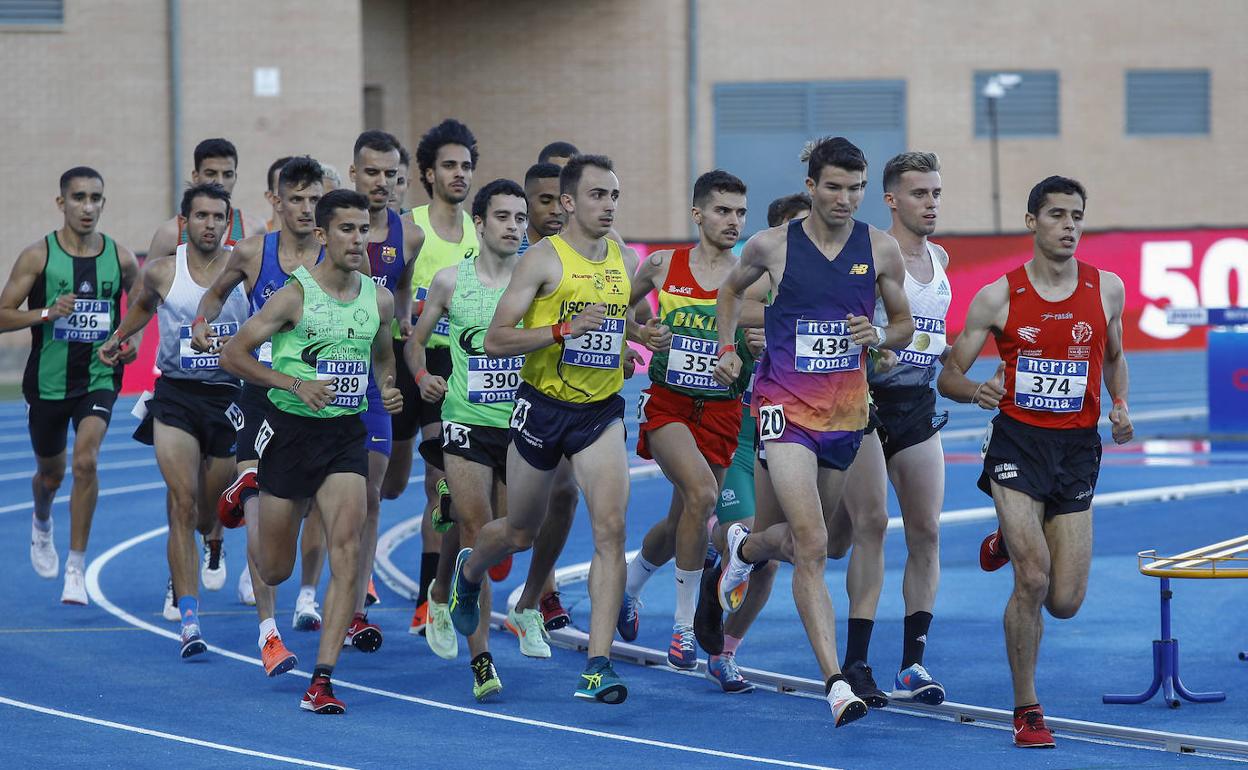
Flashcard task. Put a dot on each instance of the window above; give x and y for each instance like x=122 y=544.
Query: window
x=32 y=12
x=1167 y=102
x=1028 y=109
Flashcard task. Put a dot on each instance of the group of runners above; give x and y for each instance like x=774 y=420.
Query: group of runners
x=788 y=387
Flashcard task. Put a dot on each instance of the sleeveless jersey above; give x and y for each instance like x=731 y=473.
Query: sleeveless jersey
x=271 y=278
x=385 y=258
x=436 y=254
x=481 y=389
x=590 y=367
x=929 y=303
x=175 y=358
x=332 y=341
x=812 y=368
x=1053 y=353
x=63 y=362
x=233 y=229
x=689 y=310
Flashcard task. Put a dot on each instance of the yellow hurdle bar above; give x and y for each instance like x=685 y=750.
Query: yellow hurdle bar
x=1228 y=559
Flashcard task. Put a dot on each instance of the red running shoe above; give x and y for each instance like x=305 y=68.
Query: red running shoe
x=362 y=635
x=992 y=553
x=230 y=504
x=420 y=619
x=1029 y=729
x=554 y=616
x=501 y=570
x=319 y=698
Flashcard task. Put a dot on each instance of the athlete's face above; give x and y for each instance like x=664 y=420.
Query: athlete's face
x=346 y=238
x=547 y=214
x=837 y=194
x=297 y=207
x=399 y=194
x=593 y=206
x=1058 y=225
x=206 y=222
x=506 y=217
x=451 y=175
x=82 y=204
x=373 y=173
x=721 y=218
x=222 y=171
x=915 y=201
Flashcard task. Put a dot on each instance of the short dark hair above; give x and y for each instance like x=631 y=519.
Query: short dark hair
x=274 y=168
x=381 y=141
x=214 y=148
x=832 y=151
x=570 y=176
x=405 y=157
x=449 y=131
x=341 y=198
x=541 y=171
x=204 y=190
x=783 y=209
x=715 y=181
x=481 y=203
x=1061 y=185
x=922 y=162
x=557 y=150
x=300 y=171
x=79 y=172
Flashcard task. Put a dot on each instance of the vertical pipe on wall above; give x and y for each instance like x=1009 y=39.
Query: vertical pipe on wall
x=691 y=87
x=175 y=102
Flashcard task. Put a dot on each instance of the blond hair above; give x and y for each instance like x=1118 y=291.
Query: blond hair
x=922 y=162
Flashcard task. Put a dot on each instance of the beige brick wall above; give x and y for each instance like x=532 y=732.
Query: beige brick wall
x=387 y=63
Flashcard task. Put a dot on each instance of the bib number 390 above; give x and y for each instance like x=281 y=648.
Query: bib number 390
x=771 y=422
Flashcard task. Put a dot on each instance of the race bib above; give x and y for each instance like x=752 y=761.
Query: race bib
x=456 y=435
x=235 y=416
x=597 y=349
x=825 y=346
x=90 y=321
x=349 y=378
x=443 y=326
x=691 y=363
x=191 y=360
x=263 y=435
x=493 y=380
x=926 y=345
x=771 y=422
x=642 y=400
x=519 y=414
x=1050 y=384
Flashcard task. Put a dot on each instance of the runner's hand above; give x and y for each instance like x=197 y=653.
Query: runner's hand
x=728 y=368
x=861 y=332
x=885 y=359
x=756 y=341
x=657 y=336
x=110 y=351
x=1123 y=431
x=589 y=319
x=405 y=328
x=128 y=353
x=63 y=306
x=432 y=387
x=201 y=337
x=391 y=397
x=631 y=359
x=990 y=392
x=316 y=394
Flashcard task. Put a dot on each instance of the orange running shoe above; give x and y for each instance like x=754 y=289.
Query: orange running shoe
x=420 y=619
x=276 y=658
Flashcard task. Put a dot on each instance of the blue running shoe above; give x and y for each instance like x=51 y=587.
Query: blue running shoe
x=914 y=683
x=600 y=682
x=629 y=622
x=192 y=641
x=463 y=602
x=682 y=654
x=724 y=670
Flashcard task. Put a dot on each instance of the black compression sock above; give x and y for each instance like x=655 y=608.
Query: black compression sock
x=325 y=671
x=428 y=571
x=914 y=638
x=214 y=553
x=858 y=640
x=1018 y=710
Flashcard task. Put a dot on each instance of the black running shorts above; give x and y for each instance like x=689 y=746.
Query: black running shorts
x=254 y=402
x=481 y=444
x=298 y=453
x=545 y=429
x=1057 y=467
x=905 y=417
x=49 y=419
x=206 y=411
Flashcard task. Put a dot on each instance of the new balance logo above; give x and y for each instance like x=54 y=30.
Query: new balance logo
x=858 y=269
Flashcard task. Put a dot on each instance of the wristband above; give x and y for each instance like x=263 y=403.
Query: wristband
x=729 y=348
x=1122 y=402
x=879 y=331
x=294 y=386
x=43 y=314
x=560 y=331
x=416 y=377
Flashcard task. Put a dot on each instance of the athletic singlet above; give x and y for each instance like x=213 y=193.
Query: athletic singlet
x=270 y=278
x=481 y=390
x=175 y=358
x=590 y=367
x=332 y=341
x=436 y=254
x=233 y=228
x=63 y=361
x=1053 y=353
x=385 y=258
x=689 y=311
x=929 y=303
x=812 y=368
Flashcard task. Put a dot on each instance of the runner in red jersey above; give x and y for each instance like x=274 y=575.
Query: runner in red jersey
x=1058 y=326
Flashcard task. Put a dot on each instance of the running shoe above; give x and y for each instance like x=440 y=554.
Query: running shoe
x=246 y=591
x=682 y=653
x=212 y=570
x=440 y=632
x=629 y=621
x=319 y=698
x=724 y=670
x=712 y=555
x=862 y=682
x=554 y=616
x=992 y=553
x=1030 y=731
x=362 y=635
x=276 y=658
x=230 y=504
x=528 y=628
x=371 y=596
x=192 y=641
x=307 y=617
x=442 y=520
x=914 y=683
x=846 y=707
x=75 y=591
x=170 y=610
x=420 y=619
x=708 y=616
x=485 y=681
x=43 y=556
x=501 y=570
x=734 y=580
x=464 y=602
x=600 y=682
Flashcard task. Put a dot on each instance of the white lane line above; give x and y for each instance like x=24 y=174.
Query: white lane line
x=14 y=476
x=26 y=505
x=106 y=448
x=97 y=595
x=167 y=736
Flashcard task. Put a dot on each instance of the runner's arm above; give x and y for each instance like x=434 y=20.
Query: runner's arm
x=538 y=268
x=986 y=313
x=754 y=264
x=1114 y=369
x=383 y=350
x=413 y=241
x=131 y=275
x=164 y=240
x=281 y=312
x=890 y=275
x=21 y=280
x=237 y=267
x=437 y=302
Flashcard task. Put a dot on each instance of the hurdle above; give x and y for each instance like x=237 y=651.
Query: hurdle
x=1224 y=560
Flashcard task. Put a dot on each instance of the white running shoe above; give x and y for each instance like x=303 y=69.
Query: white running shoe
x=213 y=579
x=734 y=580
x=43 y=556
x=846 y=707
x=170 y=610
x=75 y=587
x=307 y=618
x=246 y=592
x=528 y=627
x=440 y=633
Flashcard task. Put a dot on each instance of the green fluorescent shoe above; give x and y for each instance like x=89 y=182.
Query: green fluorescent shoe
x=600 y=682
x=527 y=625
x=439 y=633
x=464 y=605
x=442 y=520
x=485 y=681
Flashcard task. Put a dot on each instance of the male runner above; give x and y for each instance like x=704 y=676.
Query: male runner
x=1058 y=324
x=402 y=181
x=330 y=329
x=192 y=417
x=216 y=161
x=263 y=264
x=810 y=394
x=571 y=291
x=273 y=195
x=558 y=153
x=475 y=415
x=72 y=281
x=333 y=180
